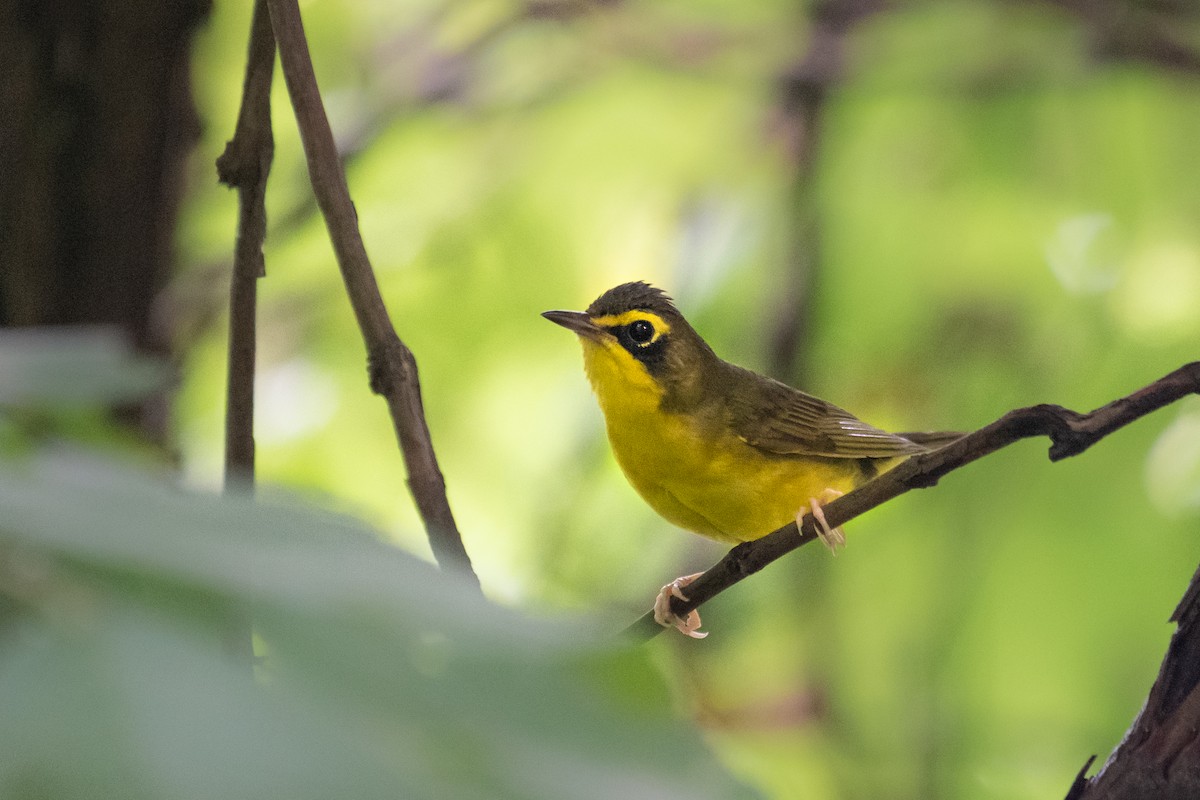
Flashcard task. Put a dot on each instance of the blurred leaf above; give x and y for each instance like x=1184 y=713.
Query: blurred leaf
x=73 y=367
x=384 y=677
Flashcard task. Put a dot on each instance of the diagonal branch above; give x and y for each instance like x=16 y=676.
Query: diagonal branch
x=1070 y=434
x=393 y=369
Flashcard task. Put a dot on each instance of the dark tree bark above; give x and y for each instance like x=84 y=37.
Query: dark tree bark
x=97 y=121
x=1160 y=756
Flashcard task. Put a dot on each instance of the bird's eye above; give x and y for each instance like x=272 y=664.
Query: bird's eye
x=641 y=331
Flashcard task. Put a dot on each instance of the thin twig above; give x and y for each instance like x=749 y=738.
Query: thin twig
x=393 y=369
x=245 y=166
x=1070 y=433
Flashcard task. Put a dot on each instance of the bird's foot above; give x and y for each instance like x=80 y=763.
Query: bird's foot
x=833 y=538
x=663 y=615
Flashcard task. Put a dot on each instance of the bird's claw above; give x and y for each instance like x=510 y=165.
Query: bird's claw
x=833 y=538
x=663 y=615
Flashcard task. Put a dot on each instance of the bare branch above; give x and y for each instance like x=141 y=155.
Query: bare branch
x=1070 y=434
x=393 y=369
x=244 y=166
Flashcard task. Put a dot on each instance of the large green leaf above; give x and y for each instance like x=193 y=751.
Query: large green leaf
x=382 y=677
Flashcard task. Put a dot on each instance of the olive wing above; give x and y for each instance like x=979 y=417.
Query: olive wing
x=775 y=417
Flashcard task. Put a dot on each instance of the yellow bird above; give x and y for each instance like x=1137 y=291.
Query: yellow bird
x=712 y=447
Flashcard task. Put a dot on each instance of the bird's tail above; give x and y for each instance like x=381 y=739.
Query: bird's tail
x=932 y=439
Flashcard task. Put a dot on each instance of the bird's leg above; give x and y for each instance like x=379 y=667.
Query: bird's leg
x=831 y=537
x=663 y=615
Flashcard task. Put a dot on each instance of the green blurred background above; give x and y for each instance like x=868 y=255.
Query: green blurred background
x=994 y=214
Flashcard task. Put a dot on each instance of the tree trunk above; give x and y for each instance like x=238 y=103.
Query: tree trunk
x=97 y=122
x=1160 y=756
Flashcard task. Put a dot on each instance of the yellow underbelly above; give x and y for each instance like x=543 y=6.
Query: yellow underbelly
x=716 y=484
x=737 y=493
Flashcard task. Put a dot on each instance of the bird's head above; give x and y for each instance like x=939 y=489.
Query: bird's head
x=635 y=340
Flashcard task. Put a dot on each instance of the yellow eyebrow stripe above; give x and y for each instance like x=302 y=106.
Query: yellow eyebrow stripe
x=625 y=317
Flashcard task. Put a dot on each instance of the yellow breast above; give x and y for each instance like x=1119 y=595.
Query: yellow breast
x=692 y=469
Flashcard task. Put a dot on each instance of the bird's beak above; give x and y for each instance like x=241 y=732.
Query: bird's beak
x=575 y=321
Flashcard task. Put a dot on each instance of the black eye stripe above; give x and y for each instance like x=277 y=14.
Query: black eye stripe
x=642 y=339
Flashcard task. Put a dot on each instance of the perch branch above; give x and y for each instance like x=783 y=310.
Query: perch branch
x=245 y=166
x=393 y=369
x=1070 y=434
